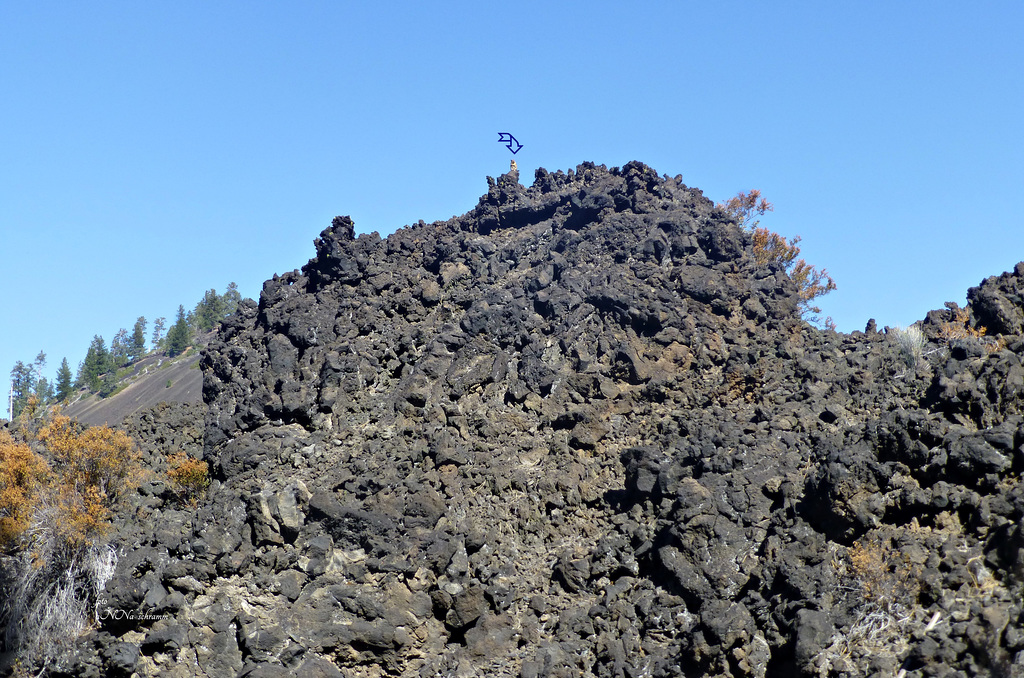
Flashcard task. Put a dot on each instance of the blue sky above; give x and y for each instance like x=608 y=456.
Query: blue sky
x=151 y=151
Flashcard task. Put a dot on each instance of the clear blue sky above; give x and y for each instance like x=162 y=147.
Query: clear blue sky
x=151 y=151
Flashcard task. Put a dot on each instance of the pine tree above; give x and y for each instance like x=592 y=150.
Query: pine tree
x=23 y=384
x=44 y=392
x=97 y=361
x=158 y=331
x=209 y=312
x=231 y=299
x=180 y=335
x=64 y=385
x=120 y=348
x=138 y=346
x=107 y=384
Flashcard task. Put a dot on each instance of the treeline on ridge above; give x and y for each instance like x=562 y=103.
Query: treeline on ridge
x=103 y=367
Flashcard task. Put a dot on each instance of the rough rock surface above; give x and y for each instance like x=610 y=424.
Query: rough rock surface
x=578 y=431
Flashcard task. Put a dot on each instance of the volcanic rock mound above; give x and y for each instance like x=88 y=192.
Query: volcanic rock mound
x=579 y=431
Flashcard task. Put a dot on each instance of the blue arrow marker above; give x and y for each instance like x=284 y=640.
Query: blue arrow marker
x=510 y=141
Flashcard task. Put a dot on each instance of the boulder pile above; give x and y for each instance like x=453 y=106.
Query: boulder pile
x=579 y=431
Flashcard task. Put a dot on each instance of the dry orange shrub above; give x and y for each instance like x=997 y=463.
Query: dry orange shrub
x=23 y=473
x=885 y=576
x=812 y=284
x=68 y=500
x=189 y=477
x=770 y=247
x=960 y=326
x=744 y=206
x=98 y=457
x=95 y=466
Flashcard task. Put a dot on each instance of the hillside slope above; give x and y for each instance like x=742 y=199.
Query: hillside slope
x=143 y=391
x=151 y=380
x=579 y=431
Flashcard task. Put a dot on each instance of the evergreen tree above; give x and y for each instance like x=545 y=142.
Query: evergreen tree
x=64 y=385
x=138 y=347
x=97 y=362
x=25 y=381
x=107 y=384
x=23 y=384
x=179 y=336
x=158 y=331
x=214 y=308
x=120 y=348
x=209 y=312
x=231 y=299
x=44 y=392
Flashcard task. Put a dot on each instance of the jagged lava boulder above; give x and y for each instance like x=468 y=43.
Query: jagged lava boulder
x=579 y=431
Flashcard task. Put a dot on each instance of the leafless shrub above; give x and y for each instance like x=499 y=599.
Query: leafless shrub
x=885 y=587
x=53 y=602
x=55 y=620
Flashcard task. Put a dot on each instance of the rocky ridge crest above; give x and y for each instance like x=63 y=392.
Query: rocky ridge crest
x=578 y=431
